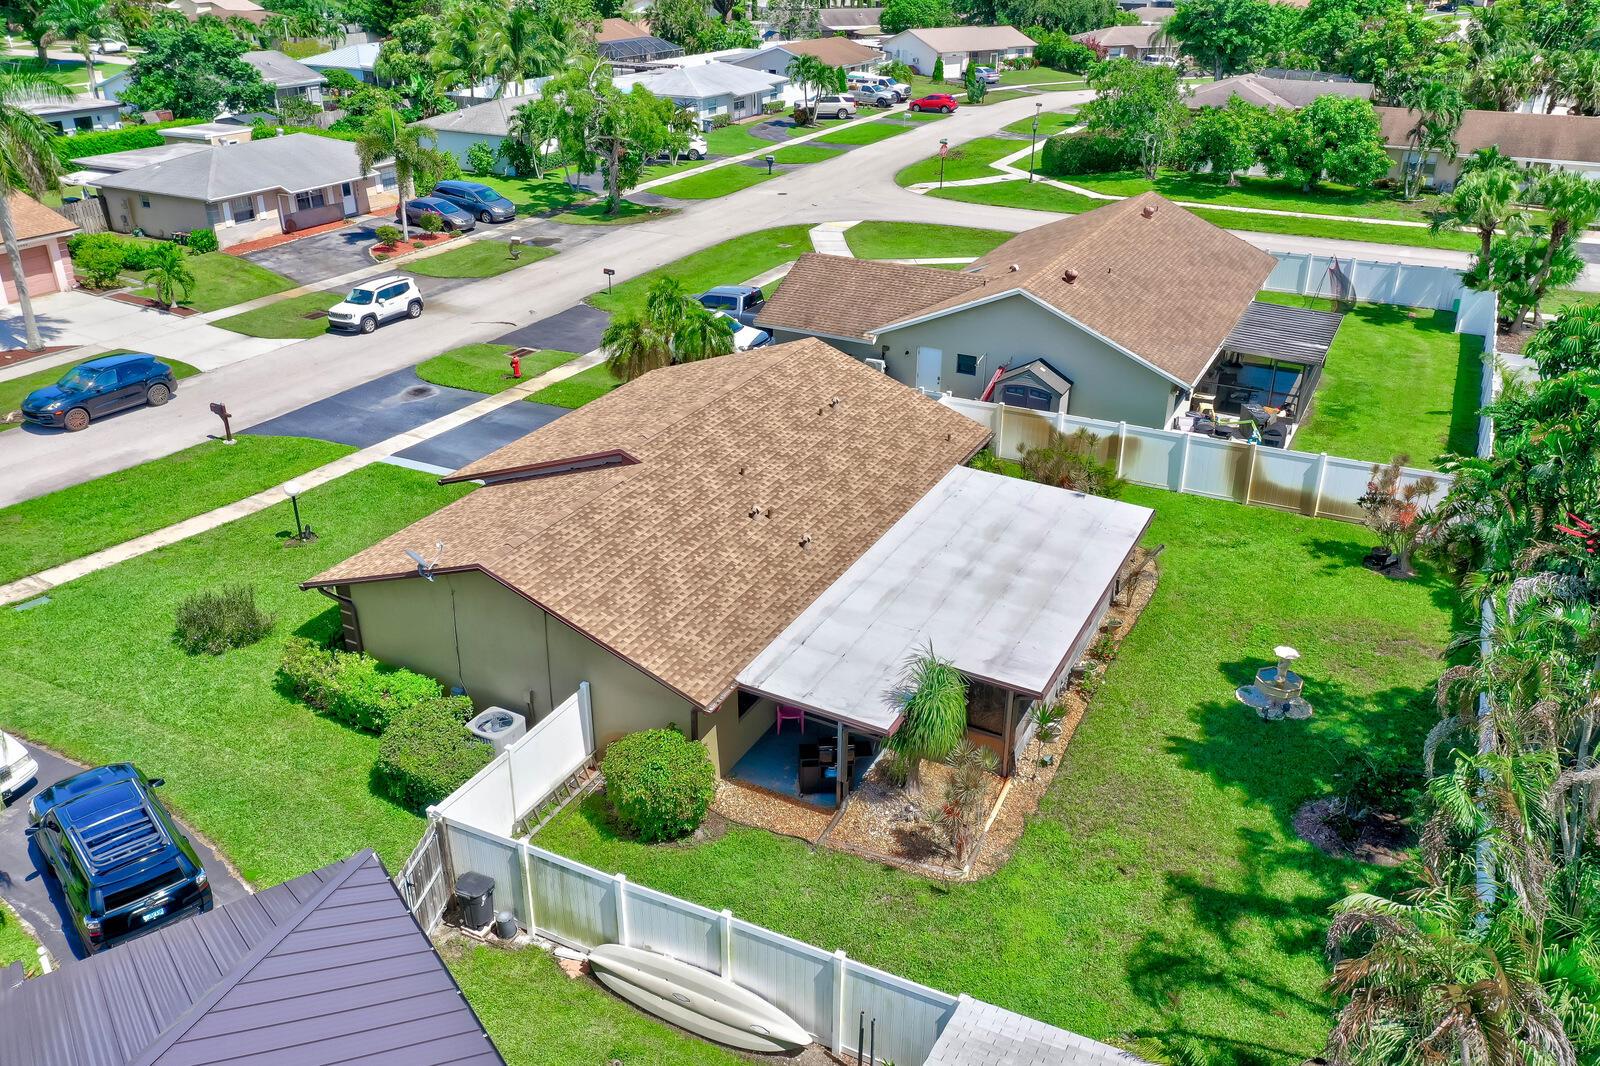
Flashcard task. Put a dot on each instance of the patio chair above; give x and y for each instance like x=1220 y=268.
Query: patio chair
x=787 y=713
x=811 y=779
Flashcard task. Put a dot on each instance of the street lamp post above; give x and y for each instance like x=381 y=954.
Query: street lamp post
x=944 y=147
x=302 y=534
x=1037 y=107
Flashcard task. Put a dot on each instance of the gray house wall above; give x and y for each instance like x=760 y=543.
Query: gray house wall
x=859 y=349
x=1105 y=383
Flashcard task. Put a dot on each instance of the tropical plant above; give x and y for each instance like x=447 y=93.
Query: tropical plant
x=1489 y=158
x=933 y=696
x=1222 y=140
x=1396 y=509
x=386 y=136
x=1337 y=137
x=1572 y=203
x=1435 y=108
x=194 y=70
x=529 y=42
x=974 y=85
x=388 y=236
x=482 y=158
x=1138 y=106
x=1577 y=80
x=461 y=56
x=1221 y=35
x=30 y=19
x=169 y=274
x=83 y=22
x=938 y=70
x=602 y=127
x=1503 y=81
x=811 y=76
x=28 y=164
x=1071 y=461
x=659 y=782
x=532 y=126
x=672 y=328
x=966 y=795
x=901 y=15
x=1485 y=200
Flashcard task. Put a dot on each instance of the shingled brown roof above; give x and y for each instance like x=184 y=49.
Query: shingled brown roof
x=1520 y=135
x=742 y=487
x=834 y=51
x=31 y=219
x=843 y=297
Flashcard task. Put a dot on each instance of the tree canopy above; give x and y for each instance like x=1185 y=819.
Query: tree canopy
x=915 y=14
x=193 y=69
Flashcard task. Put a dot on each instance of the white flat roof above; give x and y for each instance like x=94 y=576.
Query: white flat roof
x=1000 y=576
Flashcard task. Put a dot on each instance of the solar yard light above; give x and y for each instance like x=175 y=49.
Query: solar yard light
x=302 y=532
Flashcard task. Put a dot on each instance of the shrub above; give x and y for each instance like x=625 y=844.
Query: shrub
x=1085 y=154
x=210 y=623
x=988 y=462
x=140 y=255
x=100 y=264
x=427 y=753
x=262 y=130
x=202 y=241
x=481 y=158
x=1072 y=461
x=1058 y=51
x=430 y=221
x=772 y=107
x=938 y=69
x=659 y=782
x=352 y=687
x=83 y=145
x=721 y=121
x=389 y=235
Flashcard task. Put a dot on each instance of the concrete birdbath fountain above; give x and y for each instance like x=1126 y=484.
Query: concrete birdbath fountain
x=1277 y=692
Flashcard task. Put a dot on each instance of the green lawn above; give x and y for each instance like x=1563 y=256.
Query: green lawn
x=1329 y=199
x=277 y=788
x=579 y=389
x=222 y=280
x=15 y=943
x=1397 y=382
x=867 y=133
x=730 y=262
x=1161 y=894
x=968 y=160
x=538 y=1015
x=998 y=96
x=1563 y=298
x=809 y=152
x=627 y=213
x=919 y=240
x=73 y=522
x=485 y=368
x=478 y=259
x=736 y=140
x=1050 y=124
x=285 y=319
x=1056 y=79
x=1031 y=196
x=714 y=183
x=535 y=196
x=13 y=391
x=70 y=72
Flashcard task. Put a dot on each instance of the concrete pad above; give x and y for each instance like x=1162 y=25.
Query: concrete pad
x=577 y=329
x=370 y=412
x=455 y=448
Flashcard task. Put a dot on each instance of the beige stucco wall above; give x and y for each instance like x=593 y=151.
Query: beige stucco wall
x=1105 y=383
x=470 y=630
x=165 y=216
x=727 y=736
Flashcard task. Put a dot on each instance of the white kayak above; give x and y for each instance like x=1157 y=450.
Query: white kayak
x=701 y=1002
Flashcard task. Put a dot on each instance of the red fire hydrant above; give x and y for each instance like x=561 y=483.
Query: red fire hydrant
x=516 y=365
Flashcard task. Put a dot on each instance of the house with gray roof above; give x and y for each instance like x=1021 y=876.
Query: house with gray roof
x=290 y=79
x=486 y=123
x=711 y=89
x=245 y=191
x=357 y=60
x=81 y=113
x=328 y=967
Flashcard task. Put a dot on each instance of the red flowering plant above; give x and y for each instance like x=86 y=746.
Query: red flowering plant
x=1396 y=507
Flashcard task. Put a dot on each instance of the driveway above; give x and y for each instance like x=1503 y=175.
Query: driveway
x=371 y=412
x=36 y=896
x=326 y=255
x=455 y=448
x=577 y=329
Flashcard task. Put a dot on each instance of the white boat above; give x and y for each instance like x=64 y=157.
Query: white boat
x=701 y=1002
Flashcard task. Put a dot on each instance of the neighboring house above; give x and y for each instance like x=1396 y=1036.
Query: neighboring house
x=356 y=60
x=711 y=89
x=208 y=133
x=222 y=9
x=246 y=191
x=834 y=51
x=854 y=22
x=1545 y=142
x=486 y=123
x=1130 y=42
x=1264 y=91
x=984 y=46
x=1151 y=15
x=662 y=544
x=92 y=168
x=1115 y=314
x=77 y=114
x=615 y=29
x=290 y=79
x=627 y=42
x=328 y=967
x=42 y=241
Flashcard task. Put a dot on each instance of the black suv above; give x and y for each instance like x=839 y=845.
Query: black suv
x=123 y=865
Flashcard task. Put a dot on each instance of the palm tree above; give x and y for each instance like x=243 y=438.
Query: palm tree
x=933 y=694
x=169 y=274
x=811 y=75
x=1578 y=81
x=533 y=124
x=528 y=43
x=1488 y=158
x=1572 y=202
x=28 y=164
x=633 y=348
x=672 y=328
x=461 y=55
x=1504 y=80
x=83 y=22
x=1436 y=105
x=386 y=136
x=1485 y=200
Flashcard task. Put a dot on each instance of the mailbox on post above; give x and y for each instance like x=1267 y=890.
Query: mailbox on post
x=221 y=411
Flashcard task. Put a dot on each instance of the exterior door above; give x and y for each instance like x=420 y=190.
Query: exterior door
x=929 y=362
x=349 y=193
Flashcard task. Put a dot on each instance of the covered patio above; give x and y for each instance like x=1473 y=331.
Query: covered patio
x=1261 y=384
x=798 y=758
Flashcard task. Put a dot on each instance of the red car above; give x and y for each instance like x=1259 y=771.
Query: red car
x=943 y=103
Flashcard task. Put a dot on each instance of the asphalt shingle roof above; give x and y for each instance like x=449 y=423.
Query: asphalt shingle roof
x=702 y=82
x=279 y=70
x=1272 y=92
x=32 y=219
x=852 y=298
x=295 y=162
x=1521 y=135
x=981 y=1034
x=972 y=38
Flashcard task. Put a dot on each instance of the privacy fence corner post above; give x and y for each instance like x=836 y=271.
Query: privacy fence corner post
x=1122 y=440
x=841 y=964
x=527 y=890
x=621 y=881
x=1322 y=477
x=725 y=927
x=1183 y=464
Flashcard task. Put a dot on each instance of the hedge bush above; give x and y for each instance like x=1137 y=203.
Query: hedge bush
x=659 y=782
x=100 y=264
x=1085 y=154
x=83 y=145
x=202 y=241
x=99 y=248
x=427 y=753
x=210 y=623
x=352 y=687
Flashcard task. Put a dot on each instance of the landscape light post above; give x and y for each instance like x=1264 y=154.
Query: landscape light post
x=292 y=490
x=1037 y=107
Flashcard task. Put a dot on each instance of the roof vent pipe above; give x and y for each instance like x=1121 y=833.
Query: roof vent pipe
x=1012 y=269
x=1149 y=211
x=1069 y=275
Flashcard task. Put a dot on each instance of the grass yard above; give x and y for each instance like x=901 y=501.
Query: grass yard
x=478 y=259
x=627 y=213
x=535 y=196
x=73 y=522
x=285 y=319
x=222 y=280
x=968 y=160
x=15 y=390
x=277 y=788
x=714 y=183
x=579 y=389
x=1563 y=298
x=70 y=72
x=1030 y=196
x=536 y=1014
x=1161 y=896
x=1056 y=79
x=736 y=140
x=1329 y=199
x=918 y=240
x=1050 y=124
x=998 y=96
x=809 y=152
x=867 y=133
x=729 y=262
x=485 y=368
x=15 y=943
x=1397 y=382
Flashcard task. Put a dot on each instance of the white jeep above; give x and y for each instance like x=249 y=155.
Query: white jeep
x=375 y=301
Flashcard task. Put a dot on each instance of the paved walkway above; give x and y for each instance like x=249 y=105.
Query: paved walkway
x=42 y=582
x=829 y=238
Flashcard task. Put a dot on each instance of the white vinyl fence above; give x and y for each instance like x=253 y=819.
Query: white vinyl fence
x=520 y=778
x=1321 y=485
x=1372 y=281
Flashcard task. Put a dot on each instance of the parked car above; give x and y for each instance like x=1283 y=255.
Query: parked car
x=739 y=302
x=943 y=103
x=863 y=80
x=454 y=217
x=873 y=96
x=100 y=387
x=124 y=866
x=744 y=337
x=476 y=199
x=835 y=107
x=111 y=47
x=989 y=76
x=696 y=150
x=17 y=767
x=1156 y=59
x=900 y=89
x=376 y=301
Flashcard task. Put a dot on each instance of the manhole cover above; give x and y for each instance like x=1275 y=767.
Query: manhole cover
x=416 y=392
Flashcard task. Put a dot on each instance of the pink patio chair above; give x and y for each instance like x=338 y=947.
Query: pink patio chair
x=787 y=713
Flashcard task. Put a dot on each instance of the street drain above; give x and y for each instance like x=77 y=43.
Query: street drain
x=314 y=315
x=417 y=392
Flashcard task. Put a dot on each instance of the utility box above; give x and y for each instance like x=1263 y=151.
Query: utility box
x=498 y=727
x=475 y=898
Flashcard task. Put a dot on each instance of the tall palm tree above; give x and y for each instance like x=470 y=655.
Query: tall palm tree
x=461 y=55
x=1485 y=200
x=1435 y=106
x=83 y=22
x=28 y=164
x=528 y=43
x=812 y=75
x=1572 y=202
x=1577 y=81
x=386 y=136
x=533 y=124
x=1504 y=80
x=1489 y=158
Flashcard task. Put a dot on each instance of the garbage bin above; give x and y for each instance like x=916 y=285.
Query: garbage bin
x=475 y=898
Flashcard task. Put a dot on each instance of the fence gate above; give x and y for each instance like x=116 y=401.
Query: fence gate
x=424 y=880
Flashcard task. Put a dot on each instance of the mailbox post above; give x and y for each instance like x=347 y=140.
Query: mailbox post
x=221 y=411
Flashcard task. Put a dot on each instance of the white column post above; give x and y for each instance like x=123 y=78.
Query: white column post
x=58 y=263
x=621 y=881
x=1183 y=464
x=1250 y=477
x=527 y=890
x=1305 y=275
x=725 y=925
x=1122 y=439
x=841 y=963
x=1322 y=475
x=999 y=428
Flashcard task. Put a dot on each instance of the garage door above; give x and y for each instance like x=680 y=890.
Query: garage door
x=35 y=267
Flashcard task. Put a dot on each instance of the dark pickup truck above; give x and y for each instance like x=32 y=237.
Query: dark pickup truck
x=124 y=866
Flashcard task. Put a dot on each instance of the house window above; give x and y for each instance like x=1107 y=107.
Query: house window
x=244 y=208
x=747 y=701
x=144 y=201
x=213 y=215
x=305 y=201
x=966 y=364
x=1026 y=396
x=83 y=122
